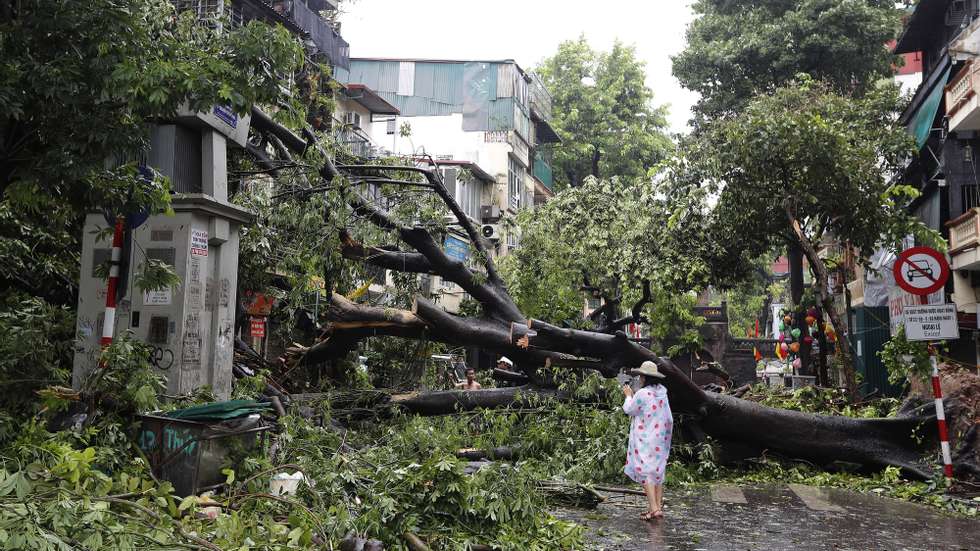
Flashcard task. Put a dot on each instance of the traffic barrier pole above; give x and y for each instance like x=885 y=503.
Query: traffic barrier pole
x=937 y=391
x=109 y=324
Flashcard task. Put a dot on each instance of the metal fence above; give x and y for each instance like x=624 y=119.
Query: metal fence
x=327 y=40
x=540 y=98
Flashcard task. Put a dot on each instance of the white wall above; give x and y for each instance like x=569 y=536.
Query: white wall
x=909 y=83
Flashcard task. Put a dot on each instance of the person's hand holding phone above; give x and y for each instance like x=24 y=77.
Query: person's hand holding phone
x=628 y=391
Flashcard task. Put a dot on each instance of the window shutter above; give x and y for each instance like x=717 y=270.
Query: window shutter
x=449 y=178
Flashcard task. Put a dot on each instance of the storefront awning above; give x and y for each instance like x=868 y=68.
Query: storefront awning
x=920 y=125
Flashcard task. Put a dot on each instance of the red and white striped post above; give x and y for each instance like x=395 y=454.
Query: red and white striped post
x=937 y=391
x=109 y=324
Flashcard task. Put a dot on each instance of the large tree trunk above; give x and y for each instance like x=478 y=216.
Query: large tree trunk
x=794 y=255
x=827 y=301
x=872 y=443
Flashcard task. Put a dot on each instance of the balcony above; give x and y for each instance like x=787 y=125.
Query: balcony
x=353 y=140
x=964 y=239
x=962 y=106
x=299 y=16
x=543 y=173
x=540 y=98
x=321 y=33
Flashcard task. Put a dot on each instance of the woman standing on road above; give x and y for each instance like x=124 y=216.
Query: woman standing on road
x=650 y=431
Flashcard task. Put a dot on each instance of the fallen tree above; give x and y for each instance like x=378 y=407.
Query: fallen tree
x=533 y=344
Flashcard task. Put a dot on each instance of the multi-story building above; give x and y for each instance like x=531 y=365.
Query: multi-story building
x=356 y=106
x=305 y=18
x=944 y=118
x=491 y=116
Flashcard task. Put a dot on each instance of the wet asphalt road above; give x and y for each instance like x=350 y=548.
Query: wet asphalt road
x=775 y=518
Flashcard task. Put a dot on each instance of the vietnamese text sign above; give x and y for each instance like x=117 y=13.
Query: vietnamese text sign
x=158 y=297
x=257 y=327
x=199 y=242
x=931 y=323
x=898 y=299
x=456 y=248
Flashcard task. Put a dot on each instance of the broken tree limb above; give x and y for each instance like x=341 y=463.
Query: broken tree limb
x=452 y=401
x=401 y=261
x=617 y=490
x=415 y=543
x=873 y=443
x=822 y=439
x=264 y=123
x=570 y=494
x=510 y=376
x=505 y=453
x=616 y=351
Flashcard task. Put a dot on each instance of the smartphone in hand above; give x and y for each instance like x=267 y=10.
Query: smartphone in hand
x=624 y=379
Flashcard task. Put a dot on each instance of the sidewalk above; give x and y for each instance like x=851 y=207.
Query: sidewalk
x=793 y=517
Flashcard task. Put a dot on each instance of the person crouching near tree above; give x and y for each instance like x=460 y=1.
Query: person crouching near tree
x=651 y=427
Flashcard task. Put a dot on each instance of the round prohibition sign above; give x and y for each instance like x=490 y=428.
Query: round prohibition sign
x=921 y=270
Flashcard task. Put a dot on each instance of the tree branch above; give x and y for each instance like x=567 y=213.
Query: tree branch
x=435 y=181
x=389 y=259
x=616 y=352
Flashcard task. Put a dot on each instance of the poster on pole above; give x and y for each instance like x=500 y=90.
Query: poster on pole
x=934 y=322
x=257 y=327
x=199 y=242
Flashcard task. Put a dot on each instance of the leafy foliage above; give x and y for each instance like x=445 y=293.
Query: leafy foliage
x=98 y=70
x=78 y=83
x=825 y=401
x=905 y=359
x=739 y=49
x=608 y=124
x=35 y=352
x=615 y=232
x=827 y=157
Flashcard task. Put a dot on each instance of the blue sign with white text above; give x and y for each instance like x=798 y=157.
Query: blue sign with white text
x=456 y=248
x=226 y=114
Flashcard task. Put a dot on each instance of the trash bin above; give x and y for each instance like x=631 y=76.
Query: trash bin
x=190 y=453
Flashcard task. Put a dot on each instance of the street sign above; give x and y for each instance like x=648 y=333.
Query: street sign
x=931 y=323
x=898 y=299
x=257 y=326
x=456 y=248
x=921 y=270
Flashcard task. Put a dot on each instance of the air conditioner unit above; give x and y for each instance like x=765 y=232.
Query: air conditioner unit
x=352 y=119
x=490 y=213
x=491 y=232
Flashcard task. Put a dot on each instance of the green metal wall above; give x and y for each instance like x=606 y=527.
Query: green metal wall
x=481 y=91
x=869 y=333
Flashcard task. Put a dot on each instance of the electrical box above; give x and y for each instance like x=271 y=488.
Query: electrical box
x=191 y=328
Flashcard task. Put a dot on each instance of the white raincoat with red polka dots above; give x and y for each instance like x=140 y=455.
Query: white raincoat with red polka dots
x=650 y=431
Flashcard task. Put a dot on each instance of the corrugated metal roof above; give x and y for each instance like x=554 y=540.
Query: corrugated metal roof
x=447 y=79
x=424 y=79
x=441 y=88
x=505 y=80
x=501 y=114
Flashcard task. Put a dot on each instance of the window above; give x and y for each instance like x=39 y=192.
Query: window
x=406 y=78
x=971 y=197
x=515 y=183
x=465 y=189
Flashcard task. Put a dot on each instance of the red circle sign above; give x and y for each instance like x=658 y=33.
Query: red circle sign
x=921 y=270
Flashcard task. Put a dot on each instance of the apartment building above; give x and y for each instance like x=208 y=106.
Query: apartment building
x=491 y=117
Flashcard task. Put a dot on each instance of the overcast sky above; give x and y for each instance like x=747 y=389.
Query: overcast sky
x=526 y=31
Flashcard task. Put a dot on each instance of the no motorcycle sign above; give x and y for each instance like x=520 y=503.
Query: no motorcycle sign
x=921 y=270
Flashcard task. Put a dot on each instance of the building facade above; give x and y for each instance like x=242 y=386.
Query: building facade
x=944 y=118
x=489 y=115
